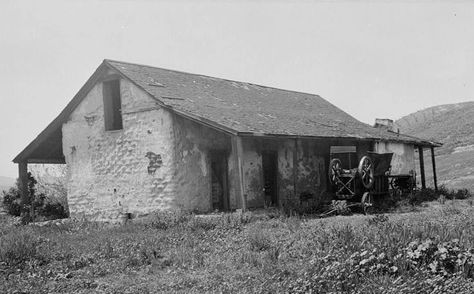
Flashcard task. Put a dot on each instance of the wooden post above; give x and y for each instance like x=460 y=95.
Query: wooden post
x=295 y=170
x=237 y=150
x=422 y=167
x=23 y=177
x=434 y=169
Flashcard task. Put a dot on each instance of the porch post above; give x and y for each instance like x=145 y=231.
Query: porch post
x=295 y=169
x=422 y=167
x=237 y=151
x=23 y=177
x=434 y=169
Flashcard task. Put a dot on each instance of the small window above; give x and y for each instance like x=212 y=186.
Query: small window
x=112 y=105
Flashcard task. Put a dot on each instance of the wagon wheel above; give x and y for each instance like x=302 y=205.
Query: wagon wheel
x=367 y=203
x=366 y=172
x=335 y=170
x=393 y=184
x=397 y=191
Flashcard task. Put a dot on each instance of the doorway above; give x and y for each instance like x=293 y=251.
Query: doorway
x=219 y=181
x=270 y=170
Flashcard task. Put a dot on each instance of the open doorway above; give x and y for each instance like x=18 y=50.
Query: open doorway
x=219 y=181
x=270 y=170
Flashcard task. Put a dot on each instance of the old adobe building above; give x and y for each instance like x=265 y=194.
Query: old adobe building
x=137 y=139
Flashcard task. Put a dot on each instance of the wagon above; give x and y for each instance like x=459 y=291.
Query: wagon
x=360 y=180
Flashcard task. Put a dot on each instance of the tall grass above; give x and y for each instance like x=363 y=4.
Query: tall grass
x=247 y=253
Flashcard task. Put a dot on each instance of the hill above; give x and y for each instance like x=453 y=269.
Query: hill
x=452 y=125
x=6 y=183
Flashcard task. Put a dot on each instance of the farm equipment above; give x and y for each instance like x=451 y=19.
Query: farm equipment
x=370 y=178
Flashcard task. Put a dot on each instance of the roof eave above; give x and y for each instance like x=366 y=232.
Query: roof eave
x=81 y=94
x=292 y=136
x=63 y=116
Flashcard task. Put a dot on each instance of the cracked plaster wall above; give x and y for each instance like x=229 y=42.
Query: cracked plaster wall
x=403 y=160
x=109 y=171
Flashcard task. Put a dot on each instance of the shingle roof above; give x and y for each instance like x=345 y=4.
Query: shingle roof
x=235 y=107
x=250 y=108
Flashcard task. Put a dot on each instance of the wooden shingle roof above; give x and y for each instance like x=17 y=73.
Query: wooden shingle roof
x=237 y=108
x=246 y=108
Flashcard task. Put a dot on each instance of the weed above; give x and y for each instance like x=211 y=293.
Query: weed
x=19 y=247
x=259 y=240
x=378 y=219
x=427 y=252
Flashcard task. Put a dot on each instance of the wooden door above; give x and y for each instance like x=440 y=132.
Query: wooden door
x=219 y=180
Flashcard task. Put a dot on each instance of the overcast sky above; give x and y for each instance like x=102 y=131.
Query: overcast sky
x=371 y=59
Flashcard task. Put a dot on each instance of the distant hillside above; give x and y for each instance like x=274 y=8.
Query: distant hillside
x=6 y=183
x=452 y=125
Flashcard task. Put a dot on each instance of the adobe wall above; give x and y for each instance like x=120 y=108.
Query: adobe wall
x=310 y=169
x=403 y=160
x=192 y=174
x=156 y=162
x=307 y=181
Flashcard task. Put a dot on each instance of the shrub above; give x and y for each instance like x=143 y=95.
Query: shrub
x=429 y=194
x=423 y=195
x=462 y=194
x=44 y=208
x=444 y=258
x=51 y=181
x=51 y=210
x=12 y=201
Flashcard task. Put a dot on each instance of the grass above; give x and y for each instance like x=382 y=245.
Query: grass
x=428 y=251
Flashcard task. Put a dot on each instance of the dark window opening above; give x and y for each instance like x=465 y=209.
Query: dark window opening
x=346 y=154
x=112 y=105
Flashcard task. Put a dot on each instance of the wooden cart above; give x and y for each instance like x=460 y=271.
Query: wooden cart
x=359 y=184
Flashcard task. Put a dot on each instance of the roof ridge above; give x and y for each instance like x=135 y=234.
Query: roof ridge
x=223 y=79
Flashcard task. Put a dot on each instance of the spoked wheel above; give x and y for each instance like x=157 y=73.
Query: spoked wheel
x=366 y=172
x=367 y=203
x=335 y=169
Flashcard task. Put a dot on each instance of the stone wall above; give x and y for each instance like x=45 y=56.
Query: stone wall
x=156 y=162
x=161 y=161
x=192 y=175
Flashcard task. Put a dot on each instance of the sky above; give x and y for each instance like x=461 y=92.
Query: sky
x=383 y=59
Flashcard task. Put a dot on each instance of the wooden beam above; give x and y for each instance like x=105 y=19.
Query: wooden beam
x=47 y=161
x=422 y=167
x=237 y=150
x=434 y=169
x=295 y=169
x=23 y=177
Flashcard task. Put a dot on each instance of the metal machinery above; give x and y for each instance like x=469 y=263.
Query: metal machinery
x=359 y=181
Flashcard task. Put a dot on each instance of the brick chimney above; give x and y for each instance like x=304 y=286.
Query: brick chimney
x=384 y=123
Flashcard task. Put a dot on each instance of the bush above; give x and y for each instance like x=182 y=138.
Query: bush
x=429 y=194
x=423 y=195
x=446 y=258
x=462 y=194
x=44 y=208
x=51 y=210
x=12 y=201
